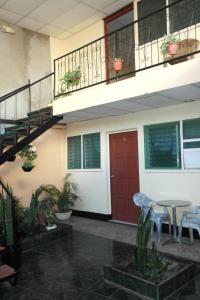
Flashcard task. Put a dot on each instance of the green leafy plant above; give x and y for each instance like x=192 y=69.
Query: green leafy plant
x=29 y=154
x=37 y=205
x=118 y=58
x=70 y=79
x=143 y=237
x=169 y=39
x=66 y=196
x=156 y=267
x=6 y=214
x=146 y=261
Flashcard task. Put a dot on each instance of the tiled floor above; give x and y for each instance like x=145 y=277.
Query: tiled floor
x=127 y=234
x=72 y=269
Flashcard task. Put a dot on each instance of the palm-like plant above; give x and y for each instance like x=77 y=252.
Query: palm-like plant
x=66 y=196
x=42 y=195
x=6 y=214
x=143 y=237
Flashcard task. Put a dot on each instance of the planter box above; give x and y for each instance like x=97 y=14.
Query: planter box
x=45 y=237
x=124 y=277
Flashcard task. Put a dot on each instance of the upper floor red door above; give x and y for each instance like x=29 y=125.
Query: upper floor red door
x=124 y=175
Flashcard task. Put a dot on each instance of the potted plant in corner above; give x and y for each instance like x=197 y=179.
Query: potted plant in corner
x=170 y=45
x=117 y=64
x=65 y=199
x=70 y=79
x=29 y=154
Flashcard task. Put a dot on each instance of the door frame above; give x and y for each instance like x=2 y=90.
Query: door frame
x=108 y=19
x=109 y=204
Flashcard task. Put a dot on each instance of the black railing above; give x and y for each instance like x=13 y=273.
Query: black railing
x=138 y=44
x=7 y=216
x=15 y=105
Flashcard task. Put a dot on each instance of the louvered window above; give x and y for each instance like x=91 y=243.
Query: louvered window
x=191 y=143
x=74 y=152
x=91 y=151
x=84 y=151
x=162 y=146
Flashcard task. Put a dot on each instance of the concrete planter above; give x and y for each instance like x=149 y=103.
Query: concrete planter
x=124 y=276
x=63 y=216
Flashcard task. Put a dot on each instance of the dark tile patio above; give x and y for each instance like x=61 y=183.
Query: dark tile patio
x=72 y=268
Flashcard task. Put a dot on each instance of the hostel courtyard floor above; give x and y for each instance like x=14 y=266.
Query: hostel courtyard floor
x=72 y=267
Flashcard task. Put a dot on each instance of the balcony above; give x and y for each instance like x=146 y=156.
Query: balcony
x=141 y=47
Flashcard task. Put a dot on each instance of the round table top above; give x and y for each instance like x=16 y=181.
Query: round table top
x=173 y=203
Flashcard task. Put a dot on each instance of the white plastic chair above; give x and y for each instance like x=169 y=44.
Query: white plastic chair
x=157 y=218
x=190 y=221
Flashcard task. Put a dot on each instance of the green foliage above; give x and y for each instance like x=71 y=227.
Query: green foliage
x=6 y=214
x=145 y=261
x=40 y=202
x=66 y=196
x=143 y=237
x=70 y=79
x=156 y=267
x=28 y=154
x=169 y=39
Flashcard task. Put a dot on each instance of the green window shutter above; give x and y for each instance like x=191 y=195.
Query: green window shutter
x=91 y=151
x=184 y=14
x=74 y=152
x=191 y=129
x=162 y=146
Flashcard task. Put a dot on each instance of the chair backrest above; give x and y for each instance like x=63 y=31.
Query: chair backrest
x=143 y=202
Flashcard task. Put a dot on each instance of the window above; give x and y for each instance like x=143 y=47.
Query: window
x=91 y=151
x=162 y=146
x=74 y=152
x=153 y=27
x=191 y=143
x=84 y=151
x=180 y=16
x=184 y=14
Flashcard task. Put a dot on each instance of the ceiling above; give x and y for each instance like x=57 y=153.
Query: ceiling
x=57 y=18
x=169 y=97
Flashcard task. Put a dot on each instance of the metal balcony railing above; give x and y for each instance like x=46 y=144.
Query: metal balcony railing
x=138 y=44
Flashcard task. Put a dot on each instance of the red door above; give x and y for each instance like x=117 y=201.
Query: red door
x=124 y=175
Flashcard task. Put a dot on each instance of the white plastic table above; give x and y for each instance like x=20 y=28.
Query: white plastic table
x=174 y=204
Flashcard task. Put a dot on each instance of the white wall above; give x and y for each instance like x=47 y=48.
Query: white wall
x=61 y=47
x=24 y=55
x=162 y=184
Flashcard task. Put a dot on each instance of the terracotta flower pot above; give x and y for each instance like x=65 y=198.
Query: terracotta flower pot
x=173 y=48
x=117 y=65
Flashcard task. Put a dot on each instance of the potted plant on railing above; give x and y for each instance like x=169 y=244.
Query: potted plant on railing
x=170 y=45
x=117 y=64
x=29 y=154
x=70 y=79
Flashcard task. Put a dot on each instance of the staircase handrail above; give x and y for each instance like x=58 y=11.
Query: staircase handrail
x=22 y=88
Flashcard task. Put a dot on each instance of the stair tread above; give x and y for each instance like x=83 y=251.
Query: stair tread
x=43 y=111
x=2 y=248
x=6 y=271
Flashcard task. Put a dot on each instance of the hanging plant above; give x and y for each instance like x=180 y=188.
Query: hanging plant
x=29 y=154
x=70 y=79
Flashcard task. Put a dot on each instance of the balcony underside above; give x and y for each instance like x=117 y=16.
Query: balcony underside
x=150 y=89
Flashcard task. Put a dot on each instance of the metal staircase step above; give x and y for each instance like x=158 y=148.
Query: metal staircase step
x=6 y=272
x=8 y=138
x=42 y=112
x=19 y=129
